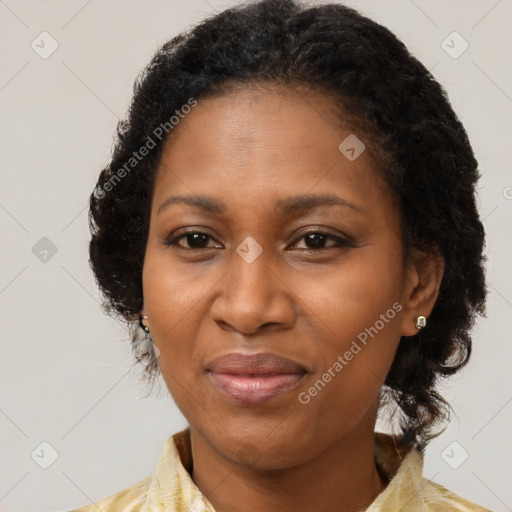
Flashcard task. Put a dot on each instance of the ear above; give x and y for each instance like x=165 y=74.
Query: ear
x=423 y=280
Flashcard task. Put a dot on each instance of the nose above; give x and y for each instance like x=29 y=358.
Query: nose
x=253 y=298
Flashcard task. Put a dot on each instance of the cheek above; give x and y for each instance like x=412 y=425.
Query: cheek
x=172 y=304
x=362 y=312
x=353 y=295
x=172 y=292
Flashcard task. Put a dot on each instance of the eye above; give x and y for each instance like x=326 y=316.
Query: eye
x=316 y=240
x=194 y=239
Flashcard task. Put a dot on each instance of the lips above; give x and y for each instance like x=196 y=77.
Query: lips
x=254 y=378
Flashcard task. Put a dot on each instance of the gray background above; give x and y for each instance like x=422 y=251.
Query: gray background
x=66 y=369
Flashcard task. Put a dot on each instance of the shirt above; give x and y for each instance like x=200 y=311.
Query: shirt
x=171 y=488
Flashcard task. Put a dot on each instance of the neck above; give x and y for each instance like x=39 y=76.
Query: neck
x=343 y=478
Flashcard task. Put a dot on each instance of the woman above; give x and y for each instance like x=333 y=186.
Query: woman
x=288 y=223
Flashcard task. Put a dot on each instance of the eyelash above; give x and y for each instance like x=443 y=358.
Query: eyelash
x=342 y=242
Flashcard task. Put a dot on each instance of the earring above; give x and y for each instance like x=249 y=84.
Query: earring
x=421 y=322
x=144 y=327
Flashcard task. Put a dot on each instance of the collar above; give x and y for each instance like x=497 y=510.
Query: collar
x=172 y=487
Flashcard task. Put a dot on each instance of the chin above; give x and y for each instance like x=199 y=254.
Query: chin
x=262 y=447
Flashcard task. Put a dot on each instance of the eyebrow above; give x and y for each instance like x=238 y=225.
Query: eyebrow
x=285 y=206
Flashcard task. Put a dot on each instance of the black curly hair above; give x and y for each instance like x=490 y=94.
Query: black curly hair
x=422 y=150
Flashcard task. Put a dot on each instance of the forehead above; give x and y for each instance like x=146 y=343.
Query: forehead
x=262 y=139
x=241 y=119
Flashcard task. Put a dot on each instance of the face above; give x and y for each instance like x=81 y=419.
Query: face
x=278 y=298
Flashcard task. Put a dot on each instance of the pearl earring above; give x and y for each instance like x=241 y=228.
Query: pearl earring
x=421 y=322
x=144 y=327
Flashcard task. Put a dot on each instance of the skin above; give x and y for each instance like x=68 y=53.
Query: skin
x=248 y=149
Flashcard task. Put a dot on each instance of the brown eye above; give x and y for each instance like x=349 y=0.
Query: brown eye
x=318 y=240
x=194 y=239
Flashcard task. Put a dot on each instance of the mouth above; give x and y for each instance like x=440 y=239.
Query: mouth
x=254 y=378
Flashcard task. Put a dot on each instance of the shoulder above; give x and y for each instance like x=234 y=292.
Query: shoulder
x=408 y=490
x=435 y=497
x=127 y=500
x=171 y=482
